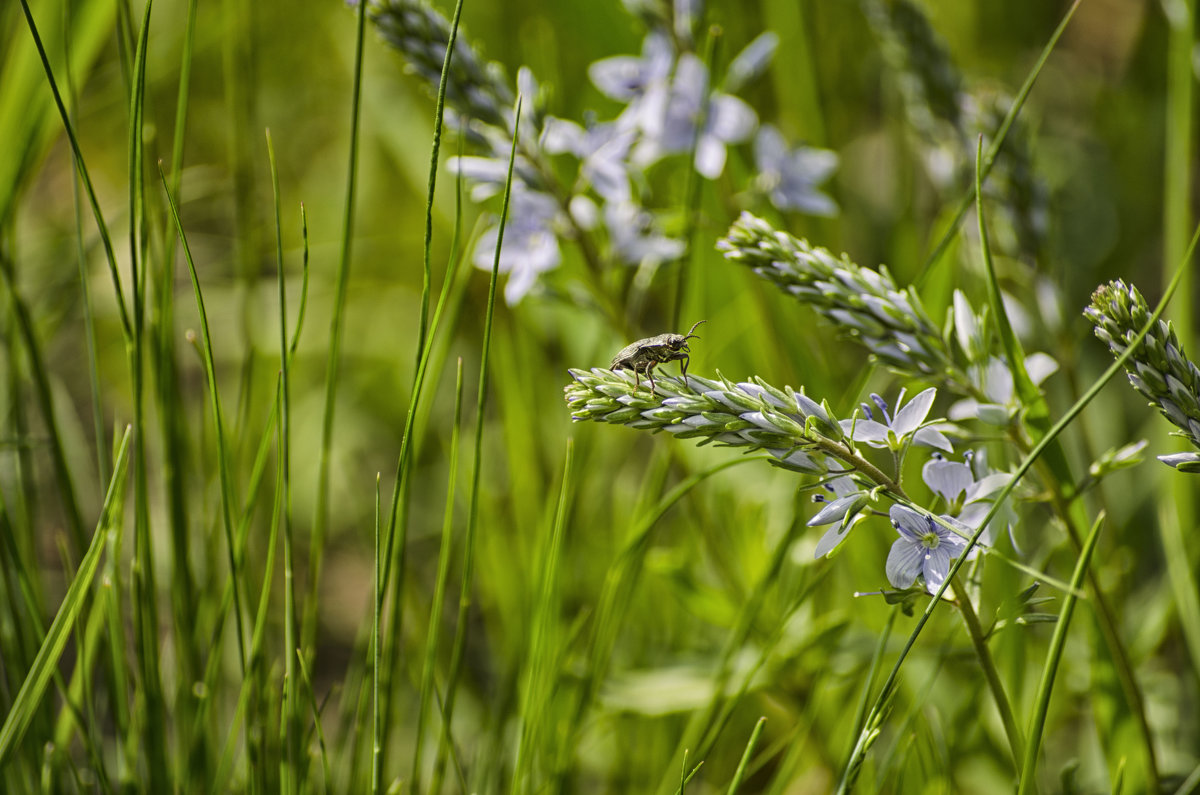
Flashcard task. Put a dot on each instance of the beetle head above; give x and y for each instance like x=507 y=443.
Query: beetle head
x=678 y=342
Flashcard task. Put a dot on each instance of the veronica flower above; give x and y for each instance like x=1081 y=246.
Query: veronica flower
x=925 y=548
x=844 y=511
x=626 y=78
x=635 y=237
x=894 y=432
x=994 y=380
x=969 y=489
x=603 y=150
x=530 y=243
x=752 y=61
x=789 y=177
x=678 y=116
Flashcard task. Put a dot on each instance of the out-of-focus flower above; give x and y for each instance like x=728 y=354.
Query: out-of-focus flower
x=530 y=243
x=627 y=77
x=677 y=116
x=994 y=380
x=789 y=177
x=635 y=236
x=603 y=150
x=752 y=61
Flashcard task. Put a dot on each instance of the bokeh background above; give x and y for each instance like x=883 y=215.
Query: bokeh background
x=1098 y=131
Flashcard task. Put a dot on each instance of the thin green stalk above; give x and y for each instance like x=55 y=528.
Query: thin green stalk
x=25 y=704
x=219 y=427
x=397 y=512
x=342 y=279
x=543 y=656
x=1177 y=516
x=396 y=539
x=997 y=142
x=89 y=324
x=740 y=773
x=252 y=682
x=193 y=746
x=464 y=597
x=1037 y=721
x=45 y=400
x=326 y=774
x=293 y=771
x=1025 y=465
x=102 y=227
x=377 y=604
x=1016 y=743
x=860 y=711
x=445 y=553
x=438 y=114
x=153 y=709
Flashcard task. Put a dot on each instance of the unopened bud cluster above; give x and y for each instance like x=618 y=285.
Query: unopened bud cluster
x=754 y=415
x=865 y=304
x=475 y=88
x=1158 y=368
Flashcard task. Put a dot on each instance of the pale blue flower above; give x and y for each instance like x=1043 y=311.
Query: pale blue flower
x=530 y=243
x=925 y=548
x=677 y=116
x=1184 y=462
x=636 y=238
x=843 y=512
x=789 y=177
x=627 y=77
x=895 y=432
x=752 y=61
x=603 y=150
x=969 y=489
x=994 y=379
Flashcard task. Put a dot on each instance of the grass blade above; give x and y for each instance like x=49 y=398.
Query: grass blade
x=46 y=663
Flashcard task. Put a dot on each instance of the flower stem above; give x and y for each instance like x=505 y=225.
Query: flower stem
x=1016 y=742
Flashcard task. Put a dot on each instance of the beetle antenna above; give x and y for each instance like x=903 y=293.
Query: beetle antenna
x=693 y=328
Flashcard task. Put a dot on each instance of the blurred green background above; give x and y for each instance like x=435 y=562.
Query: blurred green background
x=1095 y=126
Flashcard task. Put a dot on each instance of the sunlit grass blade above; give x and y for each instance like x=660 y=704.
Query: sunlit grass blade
x=445 y=555
x=293 y=769
x=342 y=279
x=736 y=784
x=253 y=683
x=226 y=486
x=376 y=607
x=1041 y=706
x=1031 y=398
x=46 y=663
x=464 y=597
x=544 y=653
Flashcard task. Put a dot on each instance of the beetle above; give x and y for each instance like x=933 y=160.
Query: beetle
x=642 y=356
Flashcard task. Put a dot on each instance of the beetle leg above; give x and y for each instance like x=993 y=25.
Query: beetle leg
x=683 y=369
x=650 y=374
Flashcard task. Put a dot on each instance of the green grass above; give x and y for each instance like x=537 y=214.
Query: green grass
x=252 y=540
